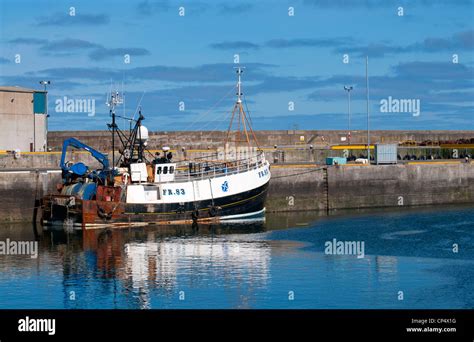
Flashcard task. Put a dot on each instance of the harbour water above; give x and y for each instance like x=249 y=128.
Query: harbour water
x=413 y=258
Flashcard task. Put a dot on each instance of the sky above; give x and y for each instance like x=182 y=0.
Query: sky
x=176 y=61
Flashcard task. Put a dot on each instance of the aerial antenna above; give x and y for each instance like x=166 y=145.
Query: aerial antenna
x=139 y=107
x=115 y=99
x=124 y=113
x=108 y=94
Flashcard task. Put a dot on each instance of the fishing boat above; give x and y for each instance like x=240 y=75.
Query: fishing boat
x=140 y=188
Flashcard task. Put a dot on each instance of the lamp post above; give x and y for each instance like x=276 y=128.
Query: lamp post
x=368 y=111
x=44 y=84
x=348 y=89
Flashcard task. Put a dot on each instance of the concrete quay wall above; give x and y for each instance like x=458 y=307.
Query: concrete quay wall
x=296 y=187
x=356 y=187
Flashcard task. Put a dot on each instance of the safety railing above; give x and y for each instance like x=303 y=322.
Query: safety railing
x=195 y=170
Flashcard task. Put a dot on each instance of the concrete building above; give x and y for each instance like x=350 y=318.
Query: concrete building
x=23 y=119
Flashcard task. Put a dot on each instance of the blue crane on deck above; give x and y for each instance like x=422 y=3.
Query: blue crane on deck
x=79 y=169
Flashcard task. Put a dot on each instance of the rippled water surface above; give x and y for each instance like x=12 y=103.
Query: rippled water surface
x=409 y=262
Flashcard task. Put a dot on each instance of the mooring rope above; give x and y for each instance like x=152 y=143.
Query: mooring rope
x=297 y=174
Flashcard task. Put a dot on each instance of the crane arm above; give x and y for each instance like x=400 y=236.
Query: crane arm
x=101 y=158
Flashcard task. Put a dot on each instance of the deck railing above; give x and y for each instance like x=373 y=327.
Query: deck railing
x=194 y=170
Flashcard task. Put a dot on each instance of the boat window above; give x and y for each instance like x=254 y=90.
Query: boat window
x=165 y=170
x=158 y=170
x=171 y=169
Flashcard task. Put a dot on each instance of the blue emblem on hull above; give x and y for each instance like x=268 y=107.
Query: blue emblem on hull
x=225 y=186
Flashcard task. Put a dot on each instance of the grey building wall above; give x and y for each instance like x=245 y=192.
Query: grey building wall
x=20 y=128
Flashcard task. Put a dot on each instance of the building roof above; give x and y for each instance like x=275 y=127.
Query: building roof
x=15 y=89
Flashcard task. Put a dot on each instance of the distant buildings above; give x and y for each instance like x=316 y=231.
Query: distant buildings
x=23 y=119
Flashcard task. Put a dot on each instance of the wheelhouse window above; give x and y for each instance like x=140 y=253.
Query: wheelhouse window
x=158 y=170
x=171 y=169
x=165 y=170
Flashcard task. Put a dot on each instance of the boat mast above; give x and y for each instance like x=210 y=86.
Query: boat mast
x=243 y=121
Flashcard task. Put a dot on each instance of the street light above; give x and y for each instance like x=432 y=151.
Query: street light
x=348 y=89
x=44 y=84
x=368 y=107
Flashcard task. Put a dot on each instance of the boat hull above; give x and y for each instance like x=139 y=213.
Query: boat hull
x=89 y=214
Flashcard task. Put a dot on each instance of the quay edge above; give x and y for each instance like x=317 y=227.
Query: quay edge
x=295 y=187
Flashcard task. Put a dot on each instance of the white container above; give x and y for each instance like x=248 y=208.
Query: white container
x=386 y=153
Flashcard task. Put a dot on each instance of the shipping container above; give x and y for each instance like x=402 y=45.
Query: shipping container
x=386 y=153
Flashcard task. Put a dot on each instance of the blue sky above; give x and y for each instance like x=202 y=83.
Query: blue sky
x=295 y=59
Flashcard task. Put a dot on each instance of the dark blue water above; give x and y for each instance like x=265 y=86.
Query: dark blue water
x=409 y=262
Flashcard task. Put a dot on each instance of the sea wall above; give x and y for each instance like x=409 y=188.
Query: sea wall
x=21 y=190
x=297 y=187
x=354 y=187
x=101 y=140
x=43 y=160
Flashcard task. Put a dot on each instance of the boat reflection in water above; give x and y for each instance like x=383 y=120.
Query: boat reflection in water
x=176 y=265
x=249 y=266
